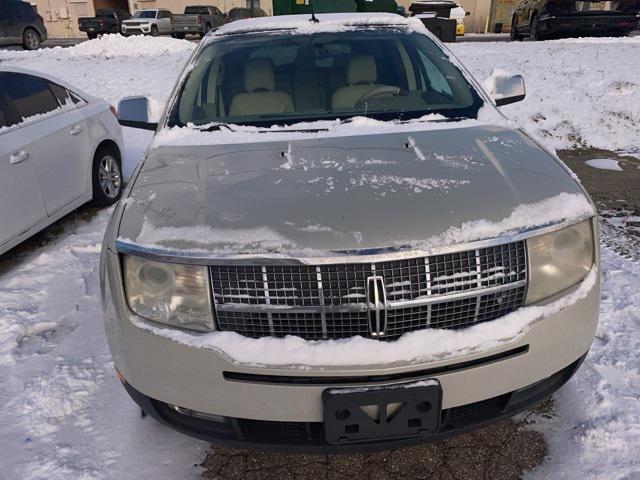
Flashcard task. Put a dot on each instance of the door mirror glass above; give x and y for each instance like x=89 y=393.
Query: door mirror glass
x=134 y=112
x=504 y=88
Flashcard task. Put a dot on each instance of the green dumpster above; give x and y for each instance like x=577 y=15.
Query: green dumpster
x=389 y=6
x=294 y=7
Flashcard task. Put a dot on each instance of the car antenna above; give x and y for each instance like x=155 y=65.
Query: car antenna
x=313 y=13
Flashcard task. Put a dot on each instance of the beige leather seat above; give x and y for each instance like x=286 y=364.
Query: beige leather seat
x=361 y=78
x=260 y=97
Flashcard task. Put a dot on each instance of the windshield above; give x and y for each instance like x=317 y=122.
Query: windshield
x=145 y=14
x=268 y=79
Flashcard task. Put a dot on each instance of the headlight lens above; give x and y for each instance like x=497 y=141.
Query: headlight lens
x=177 y=295
x=559 y=260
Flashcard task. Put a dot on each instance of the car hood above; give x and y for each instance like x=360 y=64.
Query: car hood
x=349 y=193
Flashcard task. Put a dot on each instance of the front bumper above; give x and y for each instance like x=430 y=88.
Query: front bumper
x=159 y=371
x=188 y=29
x=135 y=29
x=309 y=437
x=587 y=24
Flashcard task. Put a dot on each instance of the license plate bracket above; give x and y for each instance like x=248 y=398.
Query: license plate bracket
x=353 y=415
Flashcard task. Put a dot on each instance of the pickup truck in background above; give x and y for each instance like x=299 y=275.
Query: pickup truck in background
x=107 y=20
x=197 y=20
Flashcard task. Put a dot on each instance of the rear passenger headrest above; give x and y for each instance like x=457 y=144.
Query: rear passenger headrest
x=362 y=69
x=258 y=75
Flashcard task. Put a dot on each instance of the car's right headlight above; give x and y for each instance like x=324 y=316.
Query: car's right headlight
x=559 y=260
x=169 y=293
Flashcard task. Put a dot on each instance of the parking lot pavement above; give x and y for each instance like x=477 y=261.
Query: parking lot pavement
x=499 y=452
x=616 y=193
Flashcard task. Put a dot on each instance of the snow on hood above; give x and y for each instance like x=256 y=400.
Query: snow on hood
x=421 y=346
x=317 y=193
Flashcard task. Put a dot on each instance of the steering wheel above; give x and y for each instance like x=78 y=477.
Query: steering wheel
x=378 y=92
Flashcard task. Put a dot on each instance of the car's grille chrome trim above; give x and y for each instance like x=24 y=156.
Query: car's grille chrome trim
x=362 y=308
x=265 y=285
x=382 y=299
x=321 y=298
x=479 y=278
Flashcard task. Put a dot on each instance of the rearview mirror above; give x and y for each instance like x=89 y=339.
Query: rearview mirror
x=134 y=112
x=505 y=88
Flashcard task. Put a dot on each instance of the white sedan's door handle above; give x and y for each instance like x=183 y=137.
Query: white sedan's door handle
x=76 y=130
x=18 y=157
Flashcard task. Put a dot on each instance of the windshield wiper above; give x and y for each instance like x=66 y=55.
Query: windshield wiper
x=212 y=127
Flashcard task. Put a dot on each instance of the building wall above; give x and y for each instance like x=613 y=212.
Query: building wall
x=480 y=11
x=61 y=16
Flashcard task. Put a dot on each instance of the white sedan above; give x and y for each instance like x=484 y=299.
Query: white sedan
x=59 y=148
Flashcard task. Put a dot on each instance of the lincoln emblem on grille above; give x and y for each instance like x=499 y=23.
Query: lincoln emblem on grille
x=377 y=306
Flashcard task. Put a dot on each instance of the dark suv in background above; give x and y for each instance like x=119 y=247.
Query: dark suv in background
x=240 y=13
x=21 y=25
x=546 y=19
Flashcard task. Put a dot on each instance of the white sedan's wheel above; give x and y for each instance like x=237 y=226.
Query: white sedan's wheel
x=107 y=178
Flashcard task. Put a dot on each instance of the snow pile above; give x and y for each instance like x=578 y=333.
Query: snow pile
x=114 y=67
x=420 y=346
x=604 y=164
x=63 y=413
x=116 y=45
x=579 y=91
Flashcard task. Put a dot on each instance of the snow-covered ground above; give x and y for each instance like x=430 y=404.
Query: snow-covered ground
x=63 y=414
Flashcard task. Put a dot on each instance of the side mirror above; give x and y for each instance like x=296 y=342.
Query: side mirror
x=466 y=14
x=134 y=112
x=505 y=88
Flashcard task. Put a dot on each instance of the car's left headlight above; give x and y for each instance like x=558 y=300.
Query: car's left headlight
x=169 y=293
x=559 y=260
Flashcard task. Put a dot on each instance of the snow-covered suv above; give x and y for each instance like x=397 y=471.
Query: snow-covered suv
x=336 y=242
x=152 y=22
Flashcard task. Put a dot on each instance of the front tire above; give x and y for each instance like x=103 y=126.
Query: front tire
x=513 y=32
x=534 y=33
x=30 y=39
x=154 y=31
x=106 y=177
x=92 y=36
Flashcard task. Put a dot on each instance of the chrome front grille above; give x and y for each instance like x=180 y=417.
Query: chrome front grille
x=453 y=290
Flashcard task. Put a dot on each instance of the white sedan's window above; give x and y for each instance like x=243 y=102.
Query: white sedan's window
x=30 y=95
